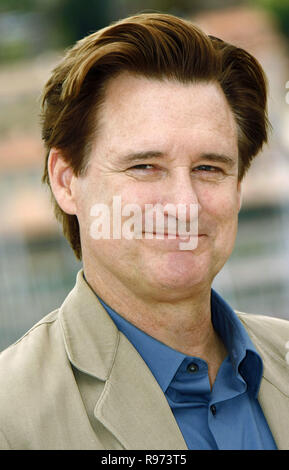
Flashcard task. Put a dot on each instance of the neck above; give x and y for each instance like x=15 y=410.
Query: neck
x=184 y=324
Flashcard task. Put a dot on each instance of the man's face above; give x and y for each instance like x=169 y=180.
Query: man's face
x=162 y=142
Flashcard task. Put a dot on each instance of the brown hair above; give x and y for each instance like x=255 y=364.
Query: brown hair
x=153 y=45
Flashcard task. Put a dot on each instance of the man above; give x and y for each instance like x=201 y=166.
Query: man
x=143 y=354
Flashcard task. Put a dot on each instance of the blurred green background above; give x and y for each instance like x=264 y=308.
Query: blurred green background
x=37 y=266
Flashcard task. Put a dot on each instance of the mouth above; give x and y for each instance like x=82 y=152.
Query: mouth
x=172 y=235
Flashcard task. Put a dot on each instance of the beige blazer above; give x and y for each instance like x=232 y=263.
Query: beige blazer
x=75 y=382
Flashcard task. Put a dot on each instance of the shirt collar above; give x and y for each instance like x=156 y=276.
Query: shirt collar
x=164 y=361
x=246 y=362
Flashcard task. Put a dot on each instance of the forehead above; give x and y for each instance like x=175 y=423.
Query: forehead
x=140 y=112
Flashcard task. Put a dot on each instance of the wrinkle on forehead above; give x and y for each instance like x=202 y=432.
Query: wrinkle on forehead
x=140 y=113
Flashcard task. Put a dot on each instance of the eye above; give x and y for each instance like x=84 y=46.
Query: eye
x=208 y=173
x=143 y=169
x=144 y=166
x=208 y=168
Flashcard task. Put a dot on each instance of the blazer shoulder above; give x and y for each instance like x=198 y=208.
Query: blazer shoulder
x=29 y=372
x=270 y=336
x=27 y=353
x=265 y=326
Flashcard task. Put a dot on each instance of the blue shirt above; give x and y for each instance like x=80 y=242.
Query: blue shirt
x=226 y=417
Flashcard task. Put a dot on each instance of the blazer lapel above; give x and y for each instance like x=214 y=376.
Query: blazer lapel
x=133 y=406
x=274 y=388
x=275 y=406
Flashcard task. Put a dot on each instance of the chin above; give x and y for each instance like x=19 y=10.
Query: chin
x=182 y=273
x=177 y=283
x=174 y=290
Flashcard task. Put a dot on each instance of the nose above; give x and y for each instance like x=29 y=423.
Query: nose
x=181 y=190
x=179 y=202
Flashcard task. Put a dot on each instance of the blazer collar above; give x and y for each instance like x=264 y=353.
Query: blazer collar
x=132 y=405
x=90 y=336
x=274 y=391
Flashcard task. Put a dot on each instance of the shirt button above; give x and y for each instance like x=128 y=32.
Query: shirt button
x=193 y=367
x=213 y=410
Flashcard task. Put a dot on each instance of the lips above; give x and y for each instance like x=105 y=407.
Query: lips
x=175 y=235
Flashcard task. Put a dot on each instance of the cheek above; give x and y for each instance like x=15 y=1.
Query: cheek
x=220 y=206
x=137 y=193
x=226 y=209
x=94 y=190
x=226 y=216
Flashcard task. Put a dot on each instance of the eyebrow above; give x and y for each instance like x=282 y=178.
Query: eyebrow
x=212 y=157
x=141 y=156
x=219 y=158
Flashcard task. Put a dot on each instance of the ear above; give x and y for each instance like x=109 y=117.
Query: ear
x=239 y=195
x=62 y=180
